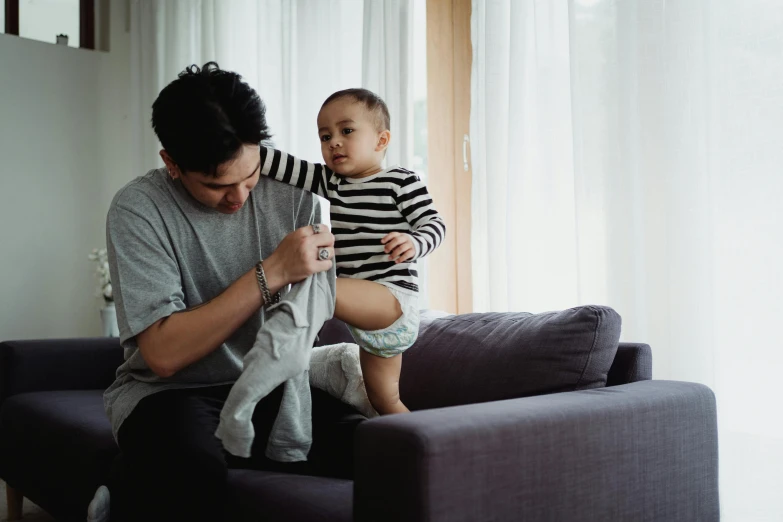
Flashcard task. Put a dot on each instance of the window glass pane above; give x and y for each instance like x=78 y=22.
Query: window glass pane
x=44 y=19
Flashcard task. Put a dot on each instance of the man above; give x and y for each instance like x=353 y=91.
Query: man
x=196 y=251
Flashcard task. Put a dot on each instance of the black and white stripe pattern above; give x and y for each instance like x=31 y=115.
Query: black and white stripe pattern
x=363 y=211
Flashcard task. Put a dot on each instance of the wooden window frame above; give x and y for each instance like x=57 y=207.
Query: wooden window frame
x=12 y=17
x=86 y=21
x=449 y=60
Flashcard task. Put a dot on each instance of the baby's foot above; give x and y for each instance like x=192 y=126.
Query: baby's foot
x=98 y=510
x=336 y=370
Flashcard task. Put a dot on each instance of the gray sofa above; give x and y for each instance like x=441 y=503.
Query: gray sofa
x=516 y=417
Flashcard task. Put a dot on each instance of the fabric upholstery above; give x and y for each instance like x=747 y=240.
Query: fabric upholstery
x=58 y=364
x=632 y=363
x=334 y=331
x=281 y=497
x=462 y=359
x=644 y=451
x=65 y=437
x=57 y=447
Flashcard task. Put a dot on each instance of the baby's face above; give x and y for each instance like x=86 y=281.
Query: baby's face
x=351 y=144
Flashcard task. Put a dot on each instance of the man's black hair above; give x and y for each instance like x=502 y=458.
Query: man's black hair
x=205 y=116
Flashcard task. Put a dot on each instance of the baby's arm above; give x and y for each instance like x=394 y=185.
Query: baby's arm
x=283 y=167
x=415 y=204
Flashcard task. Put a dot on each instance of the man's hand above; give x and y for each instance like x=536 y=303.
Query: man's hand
x=176 y=341
x=400 y=247
x=296 y=257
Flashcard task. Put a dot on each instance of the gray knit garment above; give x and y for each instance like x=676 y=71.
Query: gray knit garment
x=280 y=355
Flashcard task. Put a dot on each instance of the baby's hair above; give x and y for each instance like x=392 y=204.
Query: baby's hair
x=371 y=101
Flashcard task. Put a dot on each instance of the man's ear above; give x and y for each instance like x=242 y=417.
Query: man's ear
x=383 y=141
x=174 y=171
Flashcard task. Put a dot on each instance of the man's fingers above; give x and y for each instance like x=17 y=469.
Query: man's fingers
x=310 y=230
x=316 y=265
x=323 y=266
x=329 y=250
x=323 y=239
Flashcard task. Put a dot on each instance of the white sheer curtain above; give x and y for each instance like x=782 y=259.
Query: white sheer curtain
x=388 y=49
x=295 y=53
x=628 y=153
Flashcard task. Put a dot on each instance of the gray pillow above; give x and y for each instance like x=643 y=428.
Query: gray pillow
x=469 y=358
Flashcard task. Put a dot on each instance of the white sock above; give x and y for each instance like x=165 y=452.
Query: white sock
x=98 y=510
x=337 y=370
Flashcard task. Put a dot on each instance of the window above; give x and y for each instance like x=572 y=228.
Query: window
x=45 y=20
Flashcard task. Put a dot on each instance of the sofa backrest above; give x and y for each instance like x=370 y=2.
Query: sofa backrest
x=456 y=360
x=469 y=358
x=58 y=364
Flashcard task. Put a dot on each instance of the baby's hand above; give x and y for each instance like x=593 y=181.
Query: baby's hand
x=400 y=247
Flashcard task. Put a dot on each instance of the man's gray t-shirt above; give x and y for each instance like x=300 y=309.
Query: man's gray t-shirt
x=168 y=252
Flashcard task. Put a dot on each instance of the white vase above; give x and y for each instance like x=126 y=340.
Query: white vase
x=109 y=321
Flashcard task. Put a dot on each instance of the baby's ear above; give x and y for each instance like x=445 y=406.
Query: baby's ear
x=384 y=138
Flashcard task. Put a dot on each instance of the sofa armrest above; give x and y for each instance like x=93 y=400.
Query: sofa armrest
x=642 y=451
x=58 y=364
x=632 y=363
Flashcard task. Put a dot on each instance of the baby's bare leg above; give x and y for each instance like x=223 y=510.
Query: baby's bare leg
x=382 y=380
x=365 y=304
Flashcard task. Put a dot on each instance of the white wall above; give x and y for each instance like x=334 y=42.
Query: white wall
x=115 y=102
x=63 y=119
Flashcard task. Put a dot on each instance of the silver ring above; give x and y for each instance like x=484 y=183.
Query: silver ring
x=323 y=254
x=316 y=228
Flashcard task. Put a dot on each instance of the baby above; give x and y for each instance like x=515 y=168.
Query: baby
x=382 y=220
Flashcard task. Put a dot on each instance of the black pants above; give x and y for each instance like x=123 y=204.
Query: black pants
x=172 y=467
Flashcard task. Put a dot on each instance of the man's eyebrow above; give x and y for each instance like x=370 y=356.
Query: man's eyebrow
x=220 y=185
x=338 y=123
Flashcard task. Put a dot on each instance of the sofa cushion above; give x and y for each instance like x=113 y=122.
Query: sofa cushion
x=285 y=497
x=56 y=446
x=462 y=359
x=333 y=331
